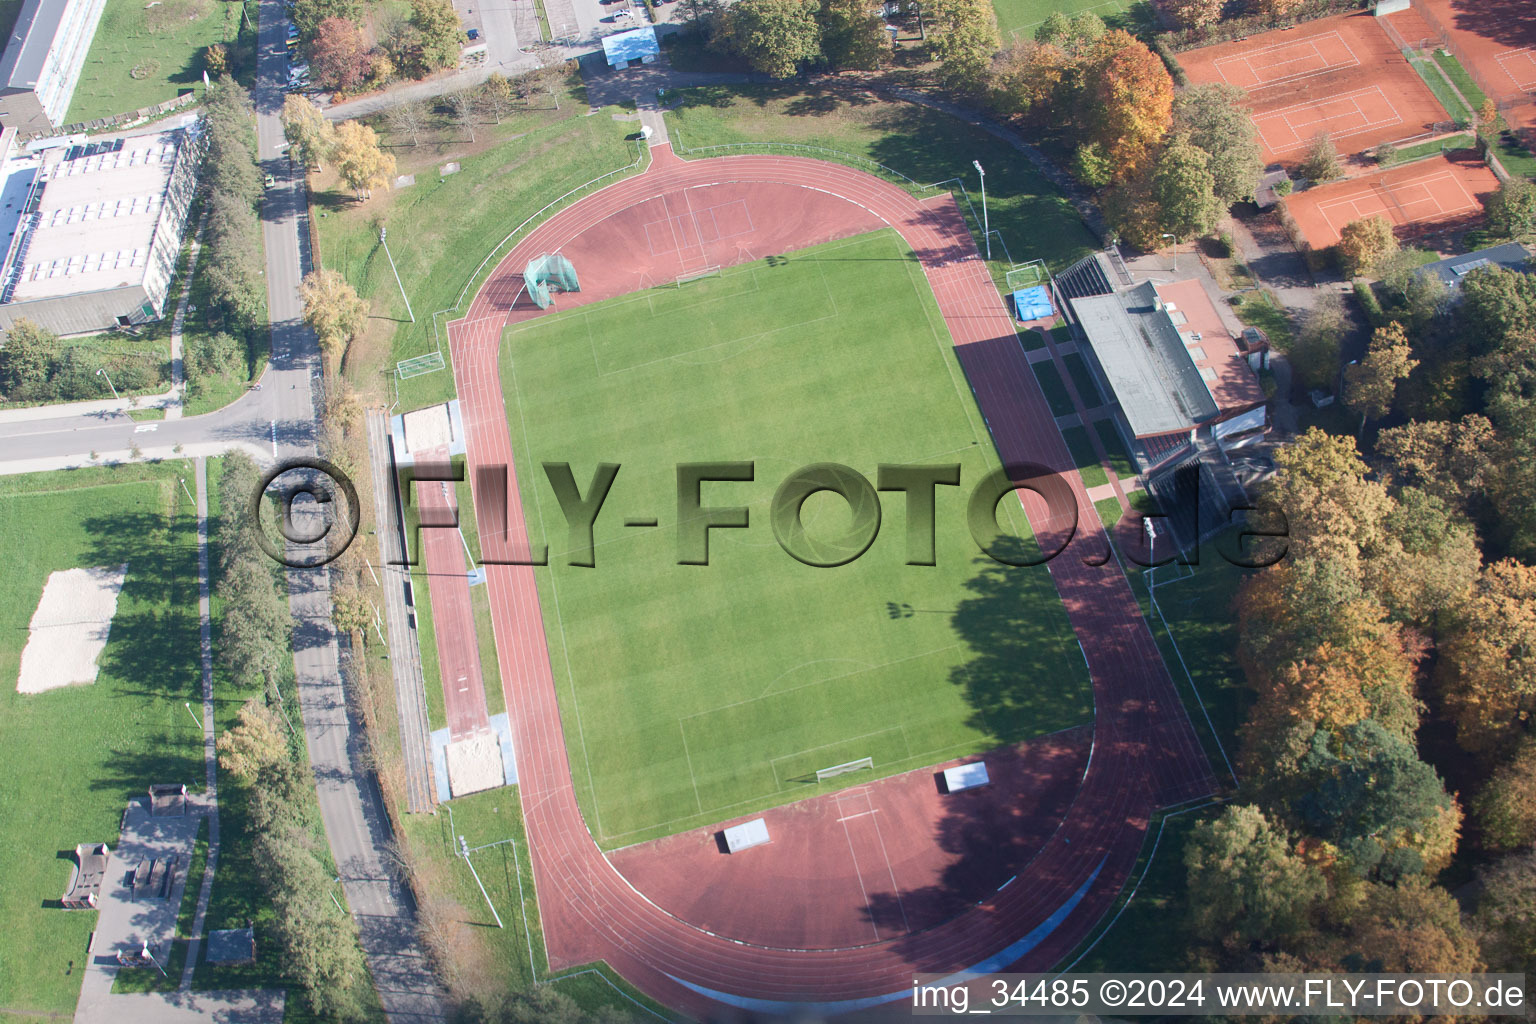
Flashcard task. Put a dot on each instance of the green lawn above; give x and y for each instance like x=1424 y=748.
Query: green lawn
x=693 y=693
x=77 y=755
x=1084 y=457
x=447 y=226
x=1034 y=219
x=1458 y=74
x=1427 y=149
x=1018 y=19
x=1458 y=111
x=1082 y=379
x=143 y=54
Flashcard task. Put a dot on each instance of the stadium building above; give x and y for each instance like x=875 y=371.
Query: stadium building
x=92 y=231
x=42 y=62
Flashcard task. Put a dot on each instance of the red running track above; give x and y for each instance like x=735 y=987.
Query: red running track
x=453 y=616
x=1145 y=753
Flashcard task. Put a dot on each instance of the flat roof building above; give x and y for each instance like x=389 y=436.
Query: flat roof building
x=93 y=231
x=1510 y=256
x=640 y=44
x=42 y=62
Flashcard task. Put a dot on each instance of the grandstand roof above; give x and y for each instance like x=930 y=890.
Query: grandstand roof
x=1153 y=375
x=26 y=51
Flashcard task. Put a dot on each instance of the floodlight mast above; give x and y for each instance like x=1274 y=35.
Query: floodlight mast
x=986 y=227
x=382 y=233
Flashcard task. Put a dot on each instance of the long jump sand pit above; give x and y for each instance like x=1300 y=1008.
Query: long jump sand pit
x=1339 y=75
x=69 y=629
x=474 y=764
x=1429 y=193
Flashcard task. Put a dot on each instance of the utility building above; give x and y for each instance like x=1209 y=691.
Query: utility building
x=42 y=62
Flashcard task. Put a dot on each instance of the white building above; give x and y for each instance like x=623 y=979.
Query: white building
x=92 y=231
x=42 y=62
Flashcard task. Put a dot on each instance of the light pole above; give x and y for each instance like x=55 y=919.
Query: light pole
x=1175 y=250
x=103 y=373
x=986 y=227
x=382 y=233
x=1146 y=524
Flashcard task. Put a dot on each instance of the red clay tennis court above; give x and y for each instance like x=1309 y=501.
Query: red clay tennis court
x=1429 y=193
x=1493 y=39
x=1340 y=75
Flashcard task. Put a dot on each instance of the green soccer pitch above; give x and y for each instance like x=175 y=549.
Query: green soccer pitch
x=690 y=693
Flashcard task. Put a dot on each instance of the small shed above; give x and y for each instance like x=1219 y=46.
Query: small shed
x=635 y=44
x=746 y=835
x=966 y=776
x=167 y=800
x=232 y=946
x=91 y=861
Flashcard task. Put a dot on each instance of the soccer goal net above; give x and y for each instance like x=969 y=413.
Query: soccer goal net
x=418 y=365
x=823 y=774
x=1027 y=275
x=551 y=270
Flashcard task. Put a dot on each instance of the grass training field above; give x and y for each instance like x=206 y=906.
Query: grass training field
x=1018 y=19
x=695 y=693
x=75 y=756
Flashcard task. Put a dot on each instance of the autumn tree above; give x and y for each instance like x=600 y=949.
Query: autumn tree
x=772 y=36
x=359 y=160
x=1364 y=243
x=496 y=96
x=962 y=37
x=310 y=134
x=1506 y=912
x=1183 y=188
x=1496 y=305
x=1129 y=102
x=1321 y=162
x=333 y=310
x=1071 y=33
x=853 y=36
x=1194 y=13
x=1451 y=459
x=1213 y=117
x=1487 y=663
x=253 y=745
x=1411 y=926
x=1371 y=384
x=216 y=60
x=1275 y=10
x=440 y=33
x=408 y=117
x=1505 y=808
x=1026 y=78
x=1512 y=209
x=338 y=55
x=463 y=107
x=1246 y=881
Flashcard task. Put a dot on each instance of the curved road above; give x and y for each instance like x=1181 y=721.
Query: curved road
x=1145 y=753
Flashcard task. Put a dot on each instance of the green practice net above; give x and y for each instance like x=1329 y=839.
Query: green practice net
x=551 y=270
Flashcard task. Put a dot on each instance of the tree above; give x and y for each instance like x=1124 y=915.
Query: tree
x=1026 y=78
x=1496 y=305
x=1090 y=166
x=440 y=31
x=359 y=161
x=254 y=648
x=1512 y=209
x=339 y=56
x=254 y=745
x=333 y=310
x=962 y=37
x=853 y=36
x=1275 y=10
x=1055 y=29
x=1321 y=162
x=1184 y=190
x=1194 y=13
x=773 y=36
x=407 y=117
x=308 y=14
x=1364 y=243
x=217 y=354
x=496 y=95
x=1451 y=459
x=1506 y=913
x=1246 y=882
x=463 y=105
x=1365 y=790
x=24 y=357
x=1371 y=384
x=1213 y=117
x=216 y=60
x=1315 y=354
x=310 y=134
x=1129 y=104
x=1505 y=809
x=1412 y=926
x=1487 y=665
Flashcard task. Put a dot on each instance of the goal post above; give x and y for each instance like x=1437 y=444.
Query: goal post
x=863 y=763
x=697 y=275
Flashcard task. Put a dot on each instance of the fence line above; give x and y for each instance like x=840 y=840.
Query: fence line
x=1473 y=72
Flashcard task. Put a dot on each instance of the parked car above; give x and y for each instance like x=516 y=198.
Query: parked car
x=473 y=34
